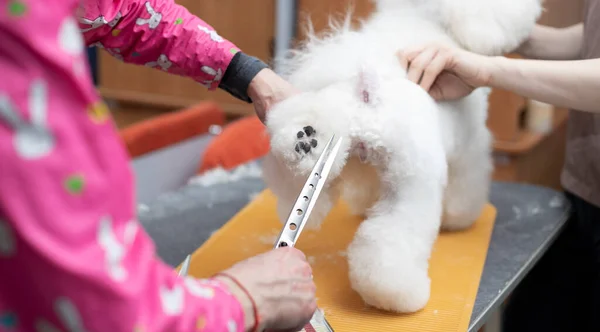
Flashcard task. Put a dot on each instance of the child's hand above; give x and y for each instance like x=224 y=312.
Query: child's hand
x=266 y=89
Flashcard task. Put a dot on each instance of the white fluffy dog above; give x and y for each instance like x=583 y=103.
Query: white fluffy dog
x=407 y=163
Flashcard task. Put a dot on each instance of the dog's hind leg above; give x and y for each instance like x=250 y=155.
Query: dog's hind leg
x=361 y=185
x=388 y=258
x=469 y=180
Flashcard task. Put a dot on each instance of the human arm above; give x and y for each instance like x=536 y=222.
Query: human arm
x=571 y=84
x=449 y=73
x=267 y=89
x=164 y=35
x=76 y=259
x=549 y=43
x=72 y=254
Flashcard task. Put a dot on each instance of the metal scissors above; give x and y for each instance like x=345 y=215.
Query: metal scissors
x=308 y=196
x=185 y=266
x=304 y=203
x=303 y=207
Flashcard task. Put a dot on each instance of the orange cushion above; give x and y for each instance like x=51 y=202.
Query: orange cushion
x=171 y=128
x=241 y=141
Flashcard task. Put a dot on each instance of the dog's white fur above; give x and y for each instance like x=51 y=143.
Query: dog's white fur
x=407 y=163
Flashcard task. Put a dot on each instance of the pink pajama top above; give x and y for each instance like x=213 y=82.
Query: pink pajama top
x=73 y=257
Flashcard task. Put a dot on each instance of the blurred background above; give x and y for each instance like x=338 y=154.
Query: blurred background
x=529 y=136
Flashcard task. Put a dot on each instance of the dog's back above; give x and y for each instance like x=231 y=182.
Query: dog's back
x=490 y=27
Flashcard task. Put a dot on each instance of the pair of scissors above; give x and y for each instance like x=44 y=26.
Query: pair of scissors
x=304 y=203
x=185 y=266
x=301 y=211
x=307 y=198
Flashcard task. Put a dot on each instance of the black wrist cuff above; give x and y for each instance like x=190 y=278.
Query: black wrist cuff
x=240 y=72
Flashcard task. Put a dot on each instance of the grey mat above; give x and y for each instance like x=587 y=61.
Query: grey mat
x=181 y=220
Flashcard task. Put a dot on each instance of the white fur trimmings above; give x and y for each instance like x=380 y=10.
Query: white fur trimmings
x=409 y=165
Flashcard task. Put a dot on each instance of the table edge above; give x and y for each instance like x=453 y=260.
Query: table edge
x=521 y=273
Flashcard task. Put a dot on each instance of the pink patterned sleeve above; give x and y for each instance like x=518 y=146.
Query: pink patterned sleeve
x=158 y=34
x=72 y=255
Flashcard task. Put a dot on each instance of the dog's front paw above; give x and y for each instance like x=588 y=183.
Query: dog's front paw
x=306 y=140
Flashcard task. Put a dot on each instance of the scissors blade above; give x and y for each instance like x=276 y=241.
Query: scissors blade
x=185 y=266
x=308 y=196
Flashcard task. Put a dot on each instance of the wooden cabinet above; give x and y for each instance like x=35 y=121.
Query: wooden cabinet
x=561 y=13
x=522 y=155
x=249 y=24
x=319 y=12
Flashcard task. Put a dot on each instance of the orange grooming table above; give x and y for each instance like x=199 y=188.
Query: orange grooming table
x=455 y=267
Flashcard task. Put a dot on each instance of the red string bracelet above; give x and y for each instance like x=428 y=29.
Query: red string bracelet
x=254 y=307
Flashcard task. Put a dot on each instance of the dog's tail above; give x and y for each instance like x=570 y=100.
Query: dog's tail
x=491 y=27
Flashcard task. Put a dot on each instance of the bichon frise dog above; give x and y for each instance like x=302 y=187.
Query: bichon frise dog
x=410 y=165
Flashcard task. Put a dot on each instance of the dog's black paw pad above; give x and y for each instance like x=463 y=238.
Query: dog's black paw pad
x=304 y=144
x=309 y=131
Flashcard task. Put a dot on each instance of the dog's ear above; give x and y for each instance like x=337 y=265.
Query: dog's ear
x=367 y=85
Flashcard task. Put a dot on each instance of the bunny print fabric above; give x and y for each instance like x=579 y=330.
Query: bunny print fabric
x=72 y=255
x=142 y=32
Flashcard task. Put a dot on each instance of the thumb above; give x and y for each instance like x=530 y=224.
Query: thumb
x=260 y=109
x=436 y=93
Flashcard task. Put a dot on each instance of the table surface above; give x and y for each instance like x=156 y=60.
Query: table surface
x=529 y=219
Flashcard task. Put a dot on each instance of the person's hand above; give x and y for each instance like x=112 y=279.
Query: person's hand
x=445 y=72
x=280 y=282
x=266 y=89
